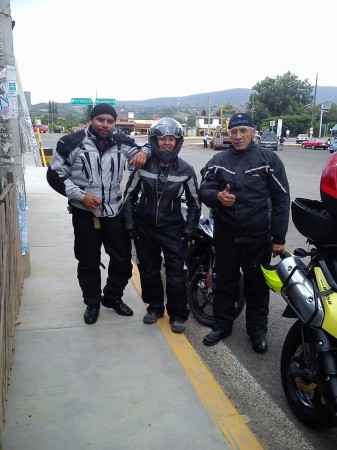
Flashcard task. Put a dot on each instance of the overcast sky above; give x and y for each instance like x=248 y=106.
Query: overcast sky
x=142 y=49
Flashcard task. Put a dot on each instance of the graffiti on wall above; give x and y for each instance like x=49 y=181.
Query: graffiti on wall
x=22 y=216
x=9 y=110
x=5 y=144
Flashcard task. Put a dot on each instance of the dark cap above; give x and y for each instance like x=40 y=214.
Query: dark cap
x=103 y=108
x=240 y=119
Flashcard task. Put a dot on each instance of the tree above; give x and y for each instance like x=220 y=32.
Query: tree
x=279 y=96
x=70 y=120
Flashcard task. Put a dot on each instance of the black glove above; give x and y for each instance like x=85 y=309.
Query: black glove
x=133 y=234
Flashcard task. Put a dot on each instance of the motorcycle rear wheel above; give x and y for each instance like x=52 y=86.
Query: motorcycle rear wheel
x=200 y=297
x=302 y=392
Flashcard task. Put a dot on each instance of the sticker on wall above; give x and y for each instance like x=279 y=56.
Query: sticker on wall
x=8 y=93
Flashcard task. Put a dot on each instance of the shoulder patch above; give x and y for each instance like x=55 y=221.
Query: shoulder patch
x=69 y=142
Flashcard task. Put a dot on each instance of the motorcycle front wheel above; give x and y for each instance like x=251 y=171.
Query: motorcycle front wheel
x=200 y=297
x=300 y=375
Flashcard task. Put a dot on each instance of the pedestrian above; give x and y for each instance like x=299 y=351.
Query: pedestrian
x=247 y=188
x=154 y=220
x=87 y=168
x=281 y=142
x=206 y=138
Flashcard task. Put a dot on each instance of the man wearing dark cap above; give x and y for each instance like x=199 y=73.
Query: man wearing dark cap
x=87 y=168
x=248 y=190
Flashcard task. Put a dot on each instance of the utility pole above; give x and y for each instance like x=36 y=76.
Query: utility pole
x=209 y=113
x=313 y=108
x=253 y=106
x=10 y=151
x=11 y=170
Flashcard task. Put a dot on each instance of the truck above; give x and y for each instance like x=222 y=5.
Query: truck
x=221 y=140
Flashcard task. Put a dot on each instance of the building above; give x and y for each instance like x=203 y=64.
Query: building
x=207 y=124
x=128 y=126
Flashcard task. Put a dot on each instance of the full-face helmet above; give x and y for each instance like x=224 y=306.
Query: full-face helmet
x=328 y=185
x=166 y=126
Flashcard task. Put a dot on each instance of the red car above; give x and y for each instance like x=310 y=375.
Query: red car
x=42 y=128
x=315 y=143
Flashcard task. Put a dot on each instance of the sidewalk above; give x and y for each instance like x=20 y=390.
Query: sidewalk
x=115 y=385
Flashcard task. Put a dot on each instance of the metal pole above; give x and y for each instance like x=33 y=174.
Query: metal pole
x=209 y=112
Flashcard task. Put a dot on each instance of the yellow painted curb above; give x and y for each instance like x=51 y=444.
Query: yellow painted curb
x=219 y=407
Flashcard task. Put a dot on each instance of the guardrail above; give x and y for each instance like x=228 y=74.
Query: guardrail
x=11 y=284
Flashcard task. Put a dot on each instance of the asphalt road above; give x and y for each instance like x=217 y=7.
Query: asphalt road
x=252 y=381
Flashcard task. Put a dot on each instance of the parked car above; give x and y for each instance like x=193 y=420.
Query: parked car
x=42 y=128
x=257 y=139
x=301 y=138
x=269 y=140
x=315 y=143
x=333 y=145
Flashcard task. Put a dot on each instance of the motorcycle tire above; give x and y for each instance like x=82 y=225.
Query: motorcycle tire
x=301 y=391
x=200 y=298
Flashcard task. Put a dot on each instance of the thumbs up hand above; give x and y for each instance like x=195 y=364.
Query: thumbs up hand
x=225 y=197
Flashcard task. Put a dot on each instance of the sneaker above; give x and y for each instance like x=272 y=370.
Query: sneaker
x=178 y=327
x=151 y=318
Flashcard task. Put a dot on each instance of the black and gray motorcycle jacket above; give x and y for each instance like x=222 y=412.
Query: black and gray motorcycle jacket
x=144 y=202
x=78 y=167
x=258 y=180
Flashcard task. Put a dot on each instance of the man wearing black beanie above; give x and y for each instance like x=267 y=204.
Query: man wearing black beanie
x=87 y=168
x=248 y=190
x=103 y=108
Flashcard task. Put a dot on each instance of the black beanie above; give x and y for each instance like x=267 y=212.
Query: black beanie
x=240 y=119
x=103 y=108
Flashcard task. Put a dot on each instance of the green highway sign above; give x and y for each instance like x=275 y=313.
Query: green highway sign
x=109 y=101
x=81 y=101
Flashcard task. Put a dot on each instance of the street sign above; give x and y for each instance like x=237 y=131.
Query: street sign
x=81 y=101
x=109 y=101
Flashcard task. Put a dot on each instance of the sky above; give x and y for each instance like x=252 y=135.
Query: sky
x=144 y=49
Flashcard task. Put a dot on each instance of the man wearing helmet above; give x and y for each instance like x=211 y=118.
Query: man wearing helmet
x=247 y=188
x=153 y=218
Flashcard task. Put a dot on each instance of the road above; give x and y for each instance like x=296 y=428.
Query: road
x=252 y=381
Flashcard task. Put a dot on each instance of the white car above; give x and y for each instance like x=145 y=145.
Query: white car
x=301 y=138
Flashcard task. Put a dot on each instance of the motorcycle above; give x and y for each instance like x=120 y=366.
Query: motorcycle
x=200 y=263
x=307 y=281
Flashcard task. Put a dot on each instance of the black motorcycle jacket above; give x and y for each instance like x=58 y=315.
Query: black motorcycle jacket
x=147 y=201
x=258 y=180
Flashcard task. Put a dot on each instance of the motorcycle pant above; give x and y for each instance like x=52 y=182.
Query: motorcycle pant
x=230 y=258
x=90 y=234
x=154 y=242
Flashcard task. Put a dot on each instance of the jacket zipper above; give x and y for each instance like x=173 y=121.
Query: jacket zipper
x=158 y=201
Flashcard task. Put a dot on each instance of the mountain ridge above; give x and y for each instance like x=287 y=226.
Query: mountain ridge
x=229 y=96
